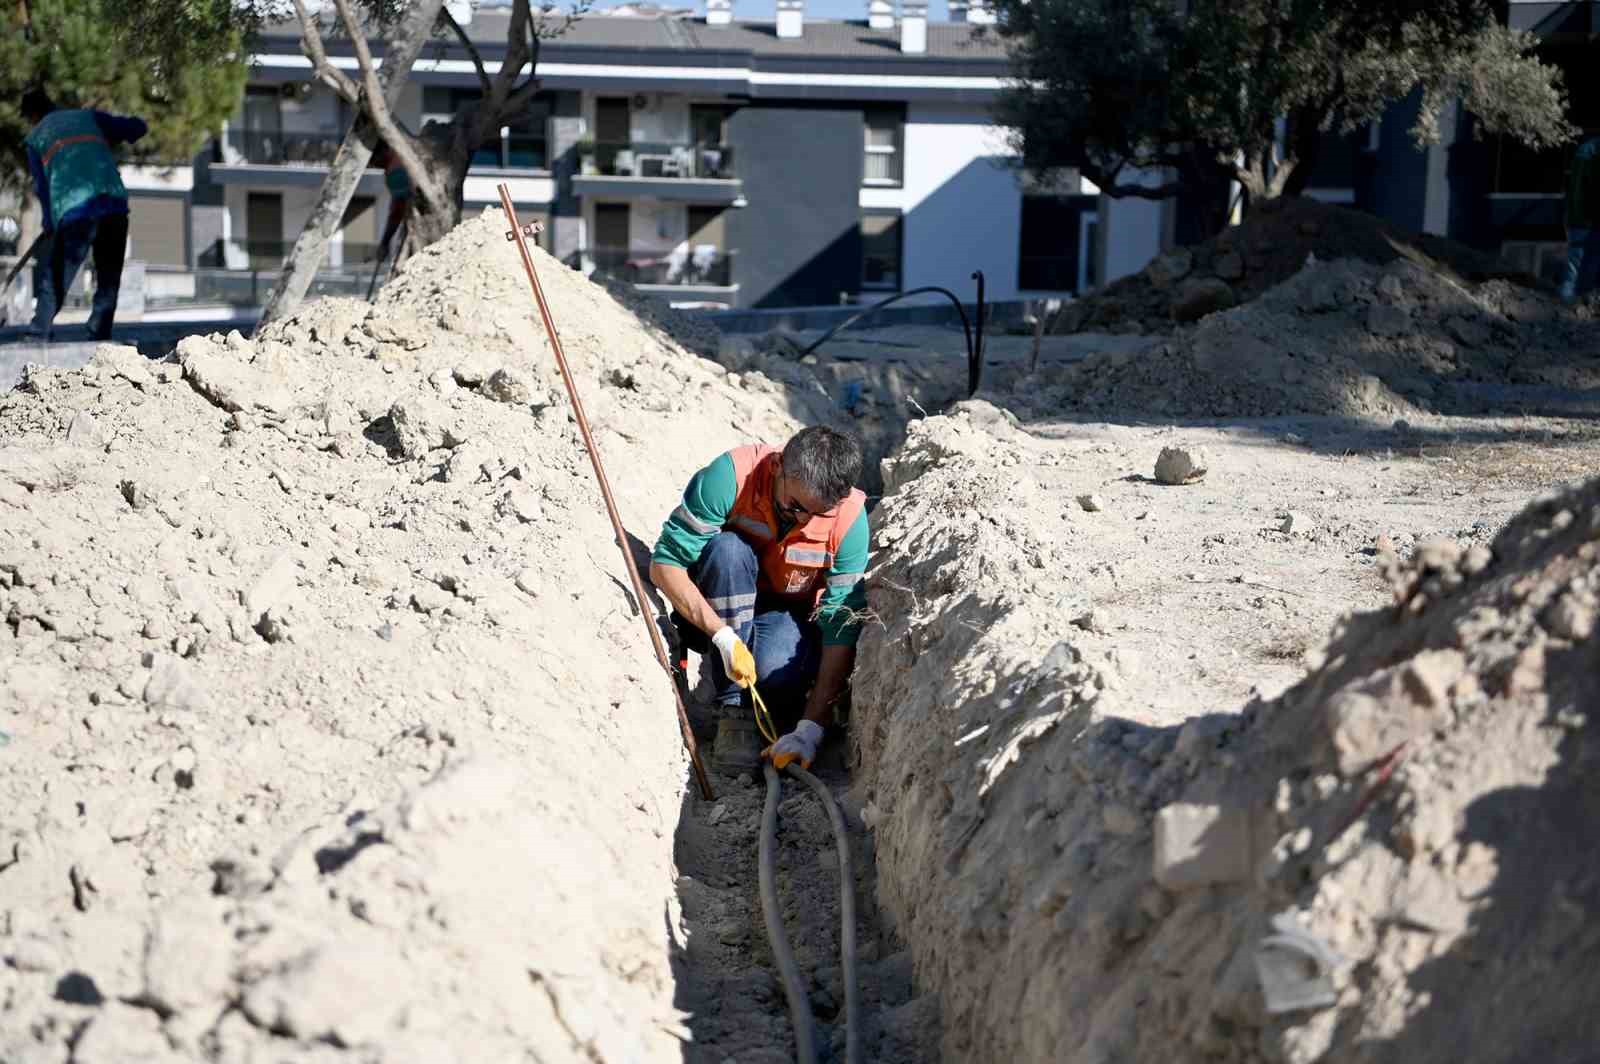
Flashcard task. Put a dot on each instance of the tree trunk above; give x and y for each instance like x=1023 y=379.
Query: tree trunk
x=1305 y=143
x=447 y=155
x=1253 y=175
x=349 y=163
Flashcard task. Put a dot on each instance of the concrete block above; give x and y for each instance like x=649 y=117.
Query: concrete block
x=1197 y=845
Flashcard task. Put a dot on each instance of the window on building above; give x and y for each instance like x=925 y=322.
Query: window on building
x=880 y=251
x=885 y=145
x=1048 y=255
x=519 y=144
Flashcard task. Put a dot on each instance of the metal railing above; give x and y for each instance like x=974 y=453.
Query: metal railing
x=641 y=158
x=276 y=148
x=250 y=288
x=515 y=151
x=269 y=254
x=700 y=265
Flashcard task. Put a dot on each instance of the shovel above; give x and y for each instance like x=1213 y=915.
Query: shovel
x=5 y=310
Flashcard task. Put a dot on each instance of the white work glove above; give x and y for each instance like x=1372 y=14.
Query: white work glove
x=737 y=663
x=799 y=745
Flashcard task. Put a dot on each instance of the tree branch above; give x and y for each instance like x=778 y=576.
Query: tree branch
x=331 y=76
x=496 y=101
x=472 y=50
x=523 y=94
x=369 y=72
x=377 y=108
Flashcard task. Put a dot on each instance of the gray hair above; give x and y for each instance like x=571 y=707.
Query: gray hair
x=825 y=461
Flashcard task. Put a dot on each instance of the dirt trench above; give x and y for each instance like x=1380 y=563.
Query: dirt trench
x=1116 y=735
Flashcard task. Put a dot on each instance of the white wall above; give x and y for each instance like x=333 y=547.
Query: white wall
x=664 y=120
x=1132 y=229
x=297 y=207
x=962 y=204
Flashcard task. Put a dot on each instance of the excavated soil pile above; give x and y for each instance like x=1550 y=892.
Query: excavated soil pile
x=1271 y=246
x=1388 y=863
x=1343 y=337
x=327 y=726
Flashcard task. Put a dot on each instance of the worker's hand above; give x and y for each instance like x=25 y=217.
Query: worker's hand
x=799 y=745
x=737 y=661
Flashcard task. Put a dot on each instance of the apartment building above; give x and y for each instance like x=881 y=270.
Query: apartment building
x=711 y=160
x=1485 y=190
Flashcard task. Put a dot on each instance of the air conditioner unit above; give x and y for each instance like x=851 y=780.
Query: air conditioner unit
x=641 y=101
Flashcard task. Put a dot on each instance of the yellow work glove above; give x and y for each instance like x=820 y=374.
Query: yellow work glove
x=799 y=745
x=737 y=661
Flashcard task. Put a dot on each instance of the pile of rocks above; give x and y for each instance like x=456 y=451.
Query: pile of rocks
x=1343 y=337
x=1242 y=262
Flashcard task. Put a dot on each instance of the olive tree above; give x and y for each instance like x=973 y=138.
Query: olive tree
x=435 y=159
x=1197 y=89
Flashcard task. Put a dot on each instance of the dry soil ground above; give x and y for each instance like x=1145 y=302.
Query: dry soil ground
x=329 y=812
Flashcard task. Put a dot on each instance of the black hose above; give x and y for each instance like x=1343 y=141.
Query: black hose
x=847 y=915
x=975 y=352
x=966 y=326
x=794 y=987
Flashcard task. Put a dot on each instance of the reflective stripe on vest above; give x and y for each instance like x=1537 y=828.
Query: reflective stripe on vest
x=805 y=556
x=77 y=160
x=752 y=526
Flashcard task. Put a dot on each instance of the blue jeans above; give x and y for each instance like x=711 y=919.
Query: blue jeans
x=1583 y=264
x=60 y=258
x=786 y=644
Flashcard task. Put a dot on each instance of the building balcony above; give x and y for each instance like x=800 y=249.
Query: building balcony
x=681 y=172
x=703 y=271
x=255 y=157
x=270 y=254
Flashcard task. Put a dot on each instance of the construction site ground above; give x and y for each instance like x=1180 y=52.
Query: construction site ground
x=1204 y=598
x=328 y=731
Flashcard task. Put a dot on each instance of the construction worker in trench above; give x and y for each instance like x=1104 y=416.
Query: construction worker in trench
x=762 y=561
x=84 y=203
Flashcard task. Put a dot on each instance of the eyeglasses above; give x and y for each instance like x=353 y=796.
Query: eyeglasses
x=793 y=510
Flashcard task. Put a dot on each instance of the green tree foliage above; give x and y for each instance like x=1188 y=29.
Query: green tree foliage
x=92 y=53
x=1121 y=89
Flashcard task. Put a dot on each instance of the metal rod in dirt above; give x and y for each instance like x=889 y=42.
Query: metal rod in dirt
x=847 y=914
x=639 y=596
x=794 y=985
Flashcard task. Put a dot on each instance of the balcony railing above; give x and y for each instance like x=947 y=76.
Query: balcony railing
x=703 y=264
x=268 y=148
x=269 y=254
x=515 y=151
x=697 y=162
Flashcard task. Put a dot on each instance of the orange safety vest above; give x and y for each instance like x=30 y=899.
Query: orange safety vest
x=792 y=566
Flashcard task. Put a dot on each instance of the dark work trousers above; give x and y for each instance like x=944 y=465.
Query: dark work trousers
x=786 y=644
x=69 y=246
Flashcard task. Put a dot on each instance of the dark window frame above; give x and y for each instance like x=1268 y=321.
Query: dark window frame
x=899 y=250
x=896 y=116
